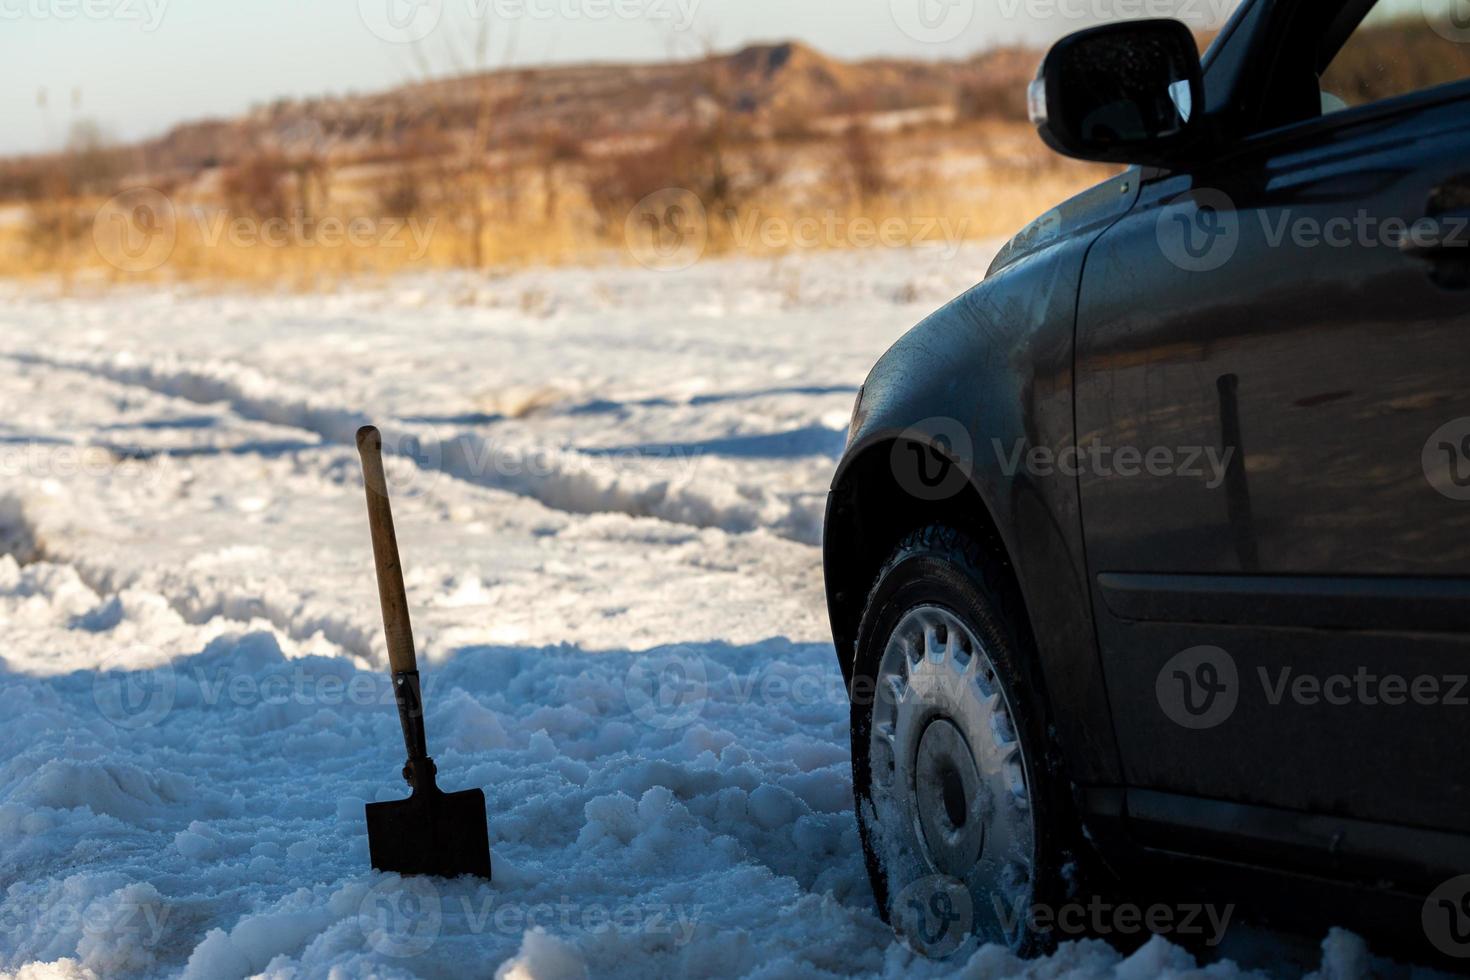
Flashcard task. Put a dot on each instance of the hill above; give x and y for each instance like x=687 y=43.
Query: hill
x=786 y=88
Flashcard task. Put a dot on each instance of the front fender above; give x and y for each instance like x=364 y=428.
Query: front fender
x=959 y=417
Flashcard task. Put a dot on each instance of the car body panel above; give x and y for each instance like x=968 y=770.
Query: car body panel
x=990 y=377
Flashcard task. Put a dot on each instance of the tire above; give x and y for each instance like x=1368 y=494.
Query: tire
x=960 y=802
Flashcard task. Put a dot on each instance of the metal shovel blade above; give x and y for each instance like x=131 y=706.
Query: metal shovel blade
x=431 y=833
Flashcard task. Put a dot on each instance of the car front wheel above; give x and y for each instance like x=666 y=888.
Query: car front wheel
x=954 y=777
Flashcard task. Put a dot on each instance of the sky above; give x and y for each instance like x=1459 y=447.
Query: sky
x=136 y=67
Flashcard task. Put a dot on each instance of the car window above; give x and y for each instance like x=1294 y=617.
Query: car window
x=1402 y=46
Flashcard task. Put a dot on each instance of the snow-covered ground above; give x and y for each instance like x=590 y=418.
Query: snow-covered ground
x=605 y=480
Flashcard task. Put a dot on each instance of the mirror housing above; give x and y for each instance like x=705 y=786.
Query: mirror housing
x=1121 y=93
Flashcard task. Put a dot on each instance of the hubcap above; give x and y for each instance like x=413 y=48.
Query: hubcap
x=950 y=792
x=949 y=775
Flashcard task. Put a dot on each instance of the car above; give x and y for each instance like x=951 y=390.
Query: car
x=1148 y=558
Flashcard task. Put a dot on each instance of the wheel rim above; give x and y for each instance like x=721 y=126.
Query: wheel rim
x=950 y=782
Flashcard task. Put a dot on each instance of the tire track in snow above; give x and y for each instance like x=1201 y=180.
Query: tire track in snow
x=24 y=540
x=560 y=479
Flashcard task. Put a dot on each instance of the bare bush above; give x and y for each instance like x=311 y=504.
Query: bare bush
x=552 y=152
x=94 y=164
x=866 y=170
x=401 y=195
x=257 y=186
x=55 y=224
x=992 y=98
x=706 y=161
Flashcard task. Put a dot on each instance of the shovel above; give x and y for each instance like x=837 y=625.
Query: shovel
x=431 y=832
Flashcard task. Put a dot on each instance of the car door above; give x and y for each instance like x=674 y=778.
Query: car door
x=1274 y=463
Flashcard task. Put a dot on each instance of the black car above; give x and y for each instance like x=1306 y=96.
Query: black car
x=1148 y=559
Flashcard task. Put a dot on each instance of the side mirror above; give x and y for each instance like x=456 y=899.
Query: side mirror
x=1121 y=93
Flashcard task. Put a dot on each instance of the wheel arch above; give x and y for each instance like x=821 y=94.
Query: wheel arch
x=869 y=511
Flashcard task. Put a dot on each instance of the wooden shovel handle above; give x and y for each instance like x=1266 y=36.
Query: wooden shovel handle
x=391 y=594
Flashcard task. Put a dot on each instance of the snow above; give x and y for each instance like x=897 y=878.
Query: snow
x=608 y=486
